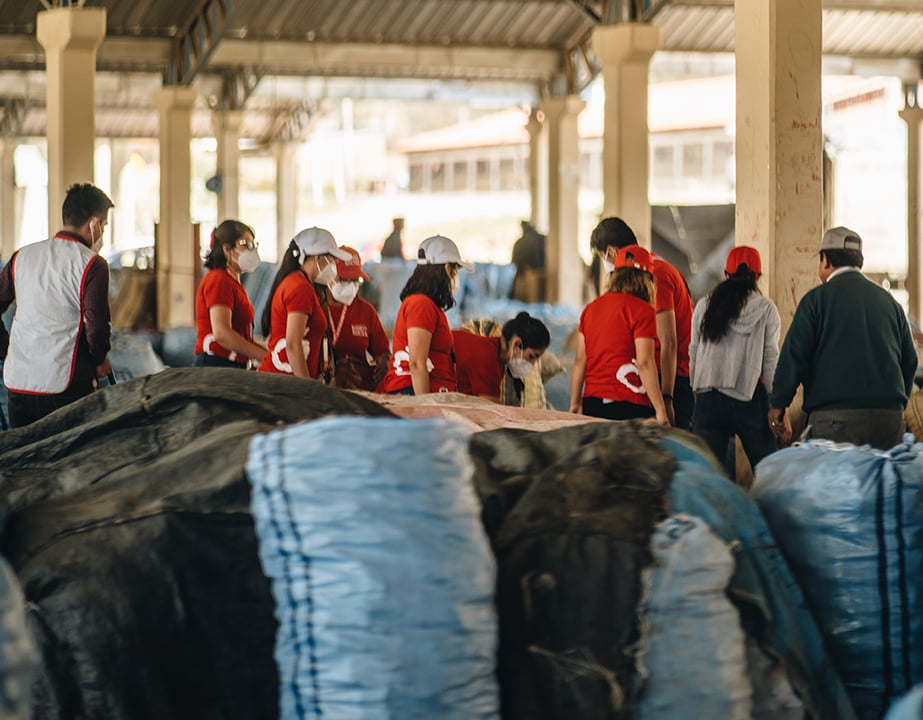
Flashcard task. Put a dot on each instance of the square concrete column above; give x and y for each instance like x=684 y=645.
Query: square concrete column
x=286 y=195
x=564 y=266
x=227 y=133
x=625 y=53
x=8 y=225
x=913 y=117
x=177 y=255
x=70 y=37
x=538 y=169
x=780 y=205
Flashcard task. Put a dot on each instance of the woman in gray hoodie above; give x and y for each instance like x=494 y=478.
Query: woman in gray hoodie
x=732 y=359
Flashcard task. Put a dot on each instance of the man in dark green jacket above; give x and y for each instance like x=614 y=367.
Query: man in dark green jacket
x=850 y=346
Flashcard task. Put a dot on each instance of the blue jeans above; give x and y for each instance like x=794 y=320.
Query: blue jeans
x=718 y=418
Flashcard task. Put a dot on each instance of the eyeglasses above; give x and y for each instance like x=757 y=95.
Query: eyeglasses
x=248 y=244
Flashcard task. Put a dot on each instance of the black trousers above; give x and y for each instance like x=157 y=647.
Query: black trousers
x=26 y=408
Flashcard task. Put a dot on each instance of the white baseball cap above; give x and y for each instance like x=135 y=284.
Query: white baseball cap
x=317 y=241
x=438 y=250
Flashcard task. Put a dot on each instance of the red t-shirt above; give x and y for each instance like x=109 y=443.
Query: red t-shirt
x=420 y=312
x=219 y=287
x=357 y=329
x=478 y=364
x=672 y=294
x=294 y=294
x=610 y=324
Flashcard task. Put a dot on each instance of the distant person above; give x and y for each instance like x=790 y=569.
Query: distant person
x=60 y=337
x=732 y=360
x=486 y=366
x=293 y=318
x=394 y=243
x=851 y=347
x=614 y=374
x=223 y=311
x=528 y=256
x=361 y=348
x=673 y=305
x=423 y=360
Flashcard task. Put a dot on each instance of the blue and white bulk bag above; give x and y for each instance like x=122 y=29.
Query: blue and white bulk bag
x=692 y=648
x=370 y=532
x=850 y=523
x=909 y=707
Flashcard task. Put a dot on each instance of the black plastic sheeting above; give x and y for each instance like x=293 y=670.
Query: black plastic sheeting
x=130 y=531
x=570 y=514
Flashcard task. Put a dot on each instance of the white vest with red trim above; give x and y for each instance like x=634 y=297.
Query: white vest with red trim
x=48 y=279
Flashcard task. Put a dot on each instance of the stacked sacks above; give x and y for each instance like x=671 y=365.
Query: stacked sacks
x=381 y=572
x=18 y=658
x=129 y=529
x=850 y=522
x=909 y=707
x=772 y=606
x=570 y=514
x=688 y=617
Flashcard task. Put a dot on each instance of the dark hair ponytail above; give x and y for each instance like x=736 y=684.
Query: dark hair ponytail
x=725 y=303
x=289 y=264
x=532 y=331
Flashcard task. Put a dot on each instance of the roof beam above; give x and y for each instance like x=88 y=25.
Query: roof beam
x=237 y=86
x=193 y=48
x=387 y=60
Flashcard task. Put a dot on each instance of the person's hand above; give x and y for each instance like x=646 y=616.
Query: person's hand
x=665 y=418
x=576 y=408
x=104 y=369
x=671 y=413
x=780 y=425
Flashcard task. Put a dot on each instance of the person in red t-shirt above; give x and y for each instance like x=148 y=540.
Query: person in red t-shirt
x=293 y=319
x=673 y=305
x=614 y=374
x=482 y=361
x=360 y=344
x=423 y=360
x=223 y=312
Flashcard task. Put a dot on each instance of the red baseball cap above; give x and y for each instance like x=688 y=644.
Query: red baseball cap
x=744 y=255
x=635 y=256
x=351 y=269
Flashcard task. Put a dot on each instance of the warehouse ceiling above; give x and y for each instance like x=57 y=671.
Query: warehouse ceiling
x=278 y=60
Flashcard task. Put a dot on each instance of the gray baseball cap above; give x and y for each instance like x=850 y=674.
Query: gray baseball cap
x=841 y=238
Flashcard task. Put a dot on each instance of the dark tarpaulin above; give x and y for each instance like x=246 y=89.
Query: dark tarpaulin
x=129 y=527
x=570 y=513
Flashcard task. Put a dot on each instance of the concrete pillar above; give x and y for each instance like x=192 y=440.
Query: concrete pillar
x=625 y=53
x=913 y=117
x=780 y=205
x=8 y=225
x=70 y=37
x=177 y=255
x=227 y=133
x=286 y=195
x=564 y=266
x=538 y=169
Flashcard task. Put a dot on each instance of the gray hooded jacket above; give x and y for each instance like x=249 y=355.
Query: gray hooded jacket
x=749 y=351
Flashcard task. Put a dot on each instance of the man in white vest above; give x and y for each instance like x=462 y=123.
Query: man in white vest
x=59 y=340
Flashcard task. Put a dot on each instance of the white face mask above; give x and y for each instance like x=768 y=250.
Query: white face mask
x=455 y=284
x=96 y=243
x=328 y=274
x=519 y=367
x=344 y=291
x=249 y=260
x=608 y=266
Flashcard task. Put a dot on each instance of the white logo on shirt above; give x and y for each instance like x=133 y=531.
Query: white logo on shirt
x=630 y=369
x=401 y=362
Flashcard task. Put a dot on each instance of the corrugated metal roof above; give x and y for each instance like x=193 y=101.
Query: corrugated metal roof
x=477 y=41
